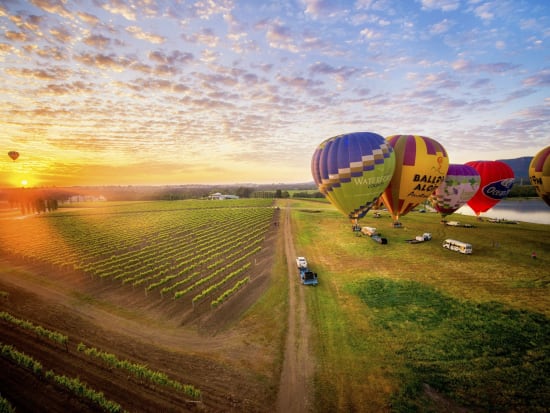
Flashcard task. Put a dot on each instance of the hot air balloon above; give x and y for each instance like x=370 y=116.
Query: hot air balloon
x=497 y=179
x=460 y=184
x=352 y=170
x=421 y=164
x=13 y=155
x=539 y=174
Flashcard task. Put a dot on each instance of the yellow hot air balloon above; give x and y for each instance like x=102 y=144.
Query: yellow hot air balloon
x=539 y=174
x=421 y=166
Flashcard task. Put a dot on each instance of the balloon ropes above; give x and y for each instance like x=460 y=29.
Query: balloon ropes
x=13 y=155
x=352 y=170
x=460 y=185
x=421 y=166
x=497 y=180
x=539 y=174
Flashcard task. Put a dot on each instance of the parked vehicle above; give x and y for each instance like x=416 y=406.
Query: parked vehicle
x=458 y=246
x=420 y=238
x=307 y=277
x=369 y=231
x=301 y=262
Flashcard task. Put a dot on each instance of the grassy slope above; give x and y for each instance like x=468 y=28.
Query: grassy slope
x=394 y=320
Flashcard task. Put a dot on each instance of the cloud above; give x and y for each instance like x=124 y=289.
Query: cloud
x=204 y=36
x=485 y=11
x=444 y=5
x=39 y=74
x=173 y=58
x=138 y=33
x=97 y=41
x=540 y=79
x=279 y=36
x=325 y=9
x=469 y=66
x=441 y=27
x=120 y=8
x=102 y=61
x=368 y=33
x=88 y=18
x=15 y=36
x=54 y=7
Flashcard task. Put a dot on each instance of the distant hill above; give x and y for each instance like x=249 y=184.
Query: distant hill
x=520 y=166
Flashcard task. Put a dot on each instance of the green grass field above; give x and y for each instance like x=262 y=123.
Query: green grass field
x=416 y=327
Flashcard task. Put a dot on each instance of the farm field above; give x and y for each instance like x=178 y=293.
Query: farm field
x=397 y=327
x=416 y=327
x=156 y=284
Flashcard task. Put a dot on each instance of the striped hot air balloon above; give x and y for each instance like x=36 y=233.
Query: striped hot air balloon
x=421 y=164
x=352 y=170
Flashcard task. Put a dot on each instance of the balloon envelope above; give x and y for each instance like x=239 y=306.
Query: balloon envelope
x=497 y=179
x=13 y=155
x=539 y=174
x=352 y=170
x=421 y=166
x=460 y=185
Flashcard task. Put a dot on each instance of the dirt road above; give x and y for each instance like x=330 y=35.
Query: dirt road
x=295 y=389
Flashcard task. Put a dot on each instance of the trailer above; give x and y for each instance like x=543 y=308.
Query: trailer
x=307 y=277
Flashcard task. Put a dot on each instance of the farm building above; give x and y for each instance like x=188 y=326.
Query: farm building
x=219 y=195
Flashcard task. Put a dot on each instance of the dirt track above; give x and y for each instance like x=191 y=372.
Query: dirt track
x=297 y=376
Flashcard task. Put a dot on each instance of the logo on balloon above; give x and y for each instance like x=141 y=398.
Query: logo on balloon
x=426 y=183
x=498 y=189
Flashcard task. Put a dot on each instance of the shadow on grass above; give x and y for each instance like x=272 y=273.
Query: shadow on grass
x=481 y=356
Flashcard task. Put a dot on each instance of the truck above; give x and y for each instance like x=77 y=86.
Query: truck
x=458 y=246
x=307 y=277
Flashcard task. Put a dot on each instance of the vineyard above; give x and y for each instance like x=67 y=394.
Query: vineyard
x=95 y=306
x=199 y=253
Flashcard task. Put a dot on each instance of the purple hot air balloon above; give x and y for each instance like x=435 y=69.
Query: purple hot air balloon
x=460 y=185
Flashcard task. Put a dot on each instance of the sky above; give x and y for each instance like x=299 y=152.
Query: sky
x=150 y=92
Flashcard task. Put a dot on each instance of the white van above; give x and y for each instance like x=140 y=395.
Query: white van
x=459 y=246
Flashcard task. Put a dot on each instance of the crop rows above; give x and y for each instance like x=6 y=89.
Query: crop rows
x=5 y=405
x=140 y=371
x=73 y=384
x=80 y=389
x=39 y=330
x=170 y=248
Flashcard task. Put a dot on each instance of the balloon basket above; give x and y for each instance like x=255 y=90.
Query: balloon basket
x=397 y=225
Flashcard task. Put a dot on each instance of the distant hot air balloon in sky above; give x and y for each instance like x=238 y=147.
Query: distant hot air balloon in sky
x=13 y=155
x=497 y=179
x=421 y=164
x=539 y=174
x=460 y=184
x=352 y=170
